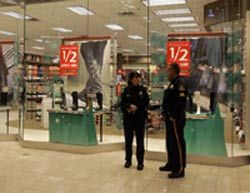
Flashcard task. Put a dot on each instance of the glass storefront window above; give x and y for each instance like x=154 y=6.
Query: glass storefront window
x=216 y=77
x=11 y=31
x=112 y=39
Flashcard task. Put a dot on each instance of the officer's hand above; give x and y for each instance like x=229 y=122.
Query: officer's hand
x=172 y=119
x=163 y=117
x=133 y=108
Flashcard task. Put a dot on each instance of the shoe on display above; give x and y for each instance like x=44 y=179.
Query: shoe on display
x=127 y=164
x=140 y=167
x=174 y=175
x=99 y=97
x=165 y=168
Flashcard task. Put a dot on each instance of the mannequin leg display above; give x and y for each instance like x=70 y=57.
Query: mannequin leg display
x=87 y=55
x=92 y=53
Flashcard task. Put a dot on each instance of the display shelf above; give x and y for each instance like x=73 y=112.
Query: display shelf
x=234 y=62
x=38 y=82
x=34 y=110
x=36 y=97
x=40 y=63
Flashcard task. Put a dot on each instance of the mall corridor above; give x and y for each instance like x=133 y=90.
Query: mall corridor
x=36 y=171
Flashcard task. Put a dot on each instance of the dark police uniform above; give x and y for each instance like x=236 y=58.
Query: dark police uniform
x=174 y=103
x=134 y=122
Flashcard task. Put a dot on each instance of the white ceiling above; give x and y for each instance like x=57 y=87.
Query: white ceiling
x=55 y=14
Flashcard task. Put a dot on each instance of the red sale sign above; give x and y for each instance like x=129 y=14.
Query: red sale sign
x=179 y=52
x=69 y=60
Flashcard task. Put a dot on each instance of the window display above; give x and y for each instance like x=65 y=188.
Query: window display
x=94 y=58
x=7 y=65
x=110 y=44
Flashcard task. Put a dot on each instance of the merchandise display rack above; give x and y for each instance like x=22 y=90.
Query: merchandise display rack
x=38 y=81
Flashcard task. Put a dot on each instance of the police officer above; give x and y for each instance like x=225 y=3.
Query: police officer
x=173 y=106
x=134 y=103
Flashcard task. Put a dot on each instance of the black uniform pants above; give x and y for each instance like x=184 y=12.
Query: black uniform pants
x=131 y=126
x=176 y=145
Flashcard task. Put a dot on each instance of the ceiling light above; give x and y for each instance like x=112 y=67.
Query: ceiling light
x=114 y=27
x=7 y=33
x=187 y=30
x=42 y=41
x=163 y=2
x=127 y=50
x=39 y=40
x=173 y=11
x=38 y=48
x=135 y=37
x=16 y=15
x=80 y=10
x=52 y=37
x=178 y=19
x=61 y=29
x=183 y=25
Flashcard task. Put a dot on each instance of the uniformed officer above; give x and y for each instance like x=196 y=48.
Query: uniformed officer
x=173 y=106
x=134 y=103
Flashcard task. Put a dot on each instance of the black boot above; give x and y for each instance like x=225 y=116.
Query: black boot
x=4 y=98
x=99 y=97
x=127 y=164
x=174 y=175
x=165 y=168
x=74 y=100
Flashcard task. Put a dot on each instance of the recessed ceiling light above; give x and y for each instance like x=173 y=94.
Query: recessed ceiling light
x=177 y=19
x=163 y=2
x=80 y=10
x=173 y=11
x=135 y=37
x=52 y=37
x=15 y=15
x=187 y=30
x=62 y=29
x=7 y=33
x=114 y=27
x=39 y=40
x=38 y=47
x=127 y=50
x=42 y=41
x=183 y=25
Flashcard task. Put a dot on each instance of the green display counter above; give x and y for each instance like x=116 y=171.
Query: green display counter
x=72 y=127
x=205 y=136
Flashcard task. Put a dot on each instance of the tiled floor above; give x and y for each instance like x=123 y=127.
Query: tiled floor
x=35 y=171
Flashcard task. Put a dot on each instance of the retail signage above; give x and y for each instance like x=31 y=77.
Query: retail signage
x=179 y=52
x=69 y=59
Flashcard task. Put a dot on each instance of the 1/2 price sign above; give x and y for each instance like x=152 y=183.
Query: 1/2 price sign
x=69 y=59
x=179 y=52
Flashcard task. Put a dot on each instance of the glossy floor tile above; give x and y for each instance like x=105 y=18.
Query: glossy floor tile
x=38 y=171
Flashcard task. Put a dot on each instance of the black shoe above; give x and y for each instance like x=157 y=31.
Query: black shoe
x=140 y=167
x=127 y=164
x=174 y=175
x=165 y=168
